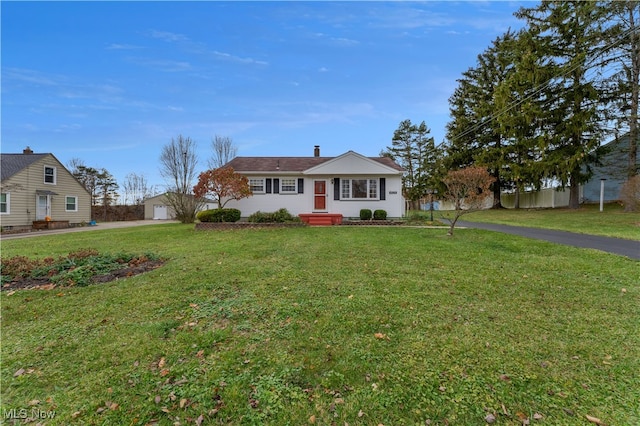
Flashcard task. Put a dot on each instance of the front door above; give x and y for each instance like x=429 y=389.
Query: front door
x=320 y=195
x=43 y=207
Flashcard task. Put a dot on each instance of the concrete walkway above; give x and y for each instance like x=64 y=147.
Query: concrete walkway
x=99 y=226
x=629 y=248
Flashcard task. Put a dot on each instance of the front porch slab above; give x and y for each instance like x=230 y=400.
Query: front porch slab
x=321 y=219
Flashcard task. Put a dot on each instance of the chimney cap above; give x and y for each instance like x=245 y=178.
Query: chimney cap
x=316 y=150
x=27 y=150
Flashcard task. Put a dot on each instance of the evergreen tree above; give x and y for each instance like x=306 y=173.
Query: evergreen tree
x=414 y=149
x=569 y=34
x=519 y=100
x=474 y=134
x=624 y=59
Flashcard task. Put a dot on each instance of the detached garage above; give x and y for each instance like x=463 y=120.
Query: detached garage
x=157 y=208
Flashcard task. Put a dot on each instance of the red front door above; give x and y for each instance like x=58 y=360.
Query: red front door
x=320 y=195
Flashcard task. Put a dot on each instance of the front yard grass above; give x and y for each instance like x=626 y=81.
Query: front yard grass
x=613 y=221
x=357 y=325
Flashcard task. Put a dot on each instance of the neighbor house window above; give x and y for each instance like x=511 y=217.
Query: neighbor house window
x=49 y=174
x=288 y=185
x=4 y=203
x=256 y=185
x=71 y=204
x=360 y=189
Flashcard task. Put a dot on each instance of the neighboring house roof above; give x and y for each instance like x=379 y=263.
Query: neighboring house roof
x=294 y=164
x=10 y=164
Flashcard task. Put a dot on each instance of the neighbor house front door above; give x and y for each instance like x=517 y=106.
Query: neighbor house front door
x=43 y=207
x=320 y=195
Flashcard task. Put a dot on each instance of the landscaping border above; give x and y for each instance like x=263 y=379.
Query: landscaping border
x=214 y=226
x=211 y=226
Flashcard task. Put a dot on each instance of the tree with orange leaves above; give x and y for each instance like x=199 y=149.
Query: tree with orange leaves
x=468 y=190
x=222 y=183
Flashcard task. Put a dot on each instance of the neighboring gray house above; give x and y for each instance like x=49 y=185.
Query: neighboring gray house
x=613 y=168
x=37 y=187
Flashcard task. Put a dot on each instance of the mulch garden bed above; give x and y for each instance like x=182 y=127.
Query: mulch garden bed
x=44 y=283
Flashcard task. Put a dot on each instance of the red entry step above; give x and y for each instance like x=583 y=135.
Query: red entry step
x=321 y=219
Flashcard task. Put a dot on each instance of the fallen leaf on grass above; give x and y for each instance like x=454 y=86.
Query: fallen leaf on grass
x=381 y=336
x=360 y=413
x=490 y=418
x=524 y=419
x=162 y=362
x=312 y=419
x=594 y=420
x=19 y=373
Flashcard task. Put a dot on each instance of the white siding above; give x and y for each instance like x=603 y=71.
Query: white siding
x=303 y=203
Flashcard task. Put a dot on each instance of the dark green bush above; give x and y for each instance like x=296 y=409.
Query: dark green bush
x=365 y=214
x=380 y=215
x=219 y=215
x=280 y=216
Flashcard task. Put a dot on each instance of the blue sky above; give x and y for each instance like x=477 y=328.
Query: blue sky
x=110 y=83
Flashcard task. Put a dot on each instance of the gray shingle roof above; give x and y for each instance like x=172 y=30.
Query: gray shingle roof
x=10 y=164
x=292 y=164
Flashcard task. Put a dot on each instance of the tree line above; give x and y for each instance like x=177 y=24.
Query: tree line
x=538 y=104
x=178 y=162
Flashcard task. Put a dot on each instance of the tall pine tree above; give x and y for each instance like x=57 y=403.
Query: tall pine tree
x=474 y=134
x=568 y=33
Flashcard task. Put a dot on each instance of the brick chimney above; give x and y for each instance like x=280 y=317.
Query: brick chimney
x=27 y=150
x=316 y=151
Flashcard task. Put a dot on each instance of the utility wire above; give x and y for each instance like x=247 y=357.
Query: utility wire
x=543 y=86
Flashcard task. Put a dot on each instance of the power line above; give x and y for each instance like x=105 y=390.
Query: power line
x=545 y=85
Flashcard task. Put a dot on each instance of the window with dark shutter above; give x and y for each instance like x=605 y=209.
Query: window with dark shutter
x=300 y=186
x=336 y=188
x=276 y=185
x=268 y=186
x=383 y=189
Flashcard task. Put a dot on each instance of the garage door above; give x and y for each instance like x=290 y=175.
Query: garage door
x=160 y=212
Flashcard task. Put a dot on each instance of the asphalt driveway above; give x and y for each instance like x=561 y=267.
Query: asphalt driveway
x=629 y=248
x=99 y=226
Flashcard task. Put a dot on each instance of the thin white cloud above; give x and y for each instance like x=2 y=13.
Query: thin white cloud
x=234 y=58
x=30 y=76
x=168 y=36
x=118 y=46
x=163 y=64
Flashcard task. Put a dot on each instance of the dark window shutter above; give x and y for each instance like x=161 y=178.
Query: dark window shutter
x=336 y=188
x=267 y=188
x=300 y=186
x=276 y=185
x=383 y=188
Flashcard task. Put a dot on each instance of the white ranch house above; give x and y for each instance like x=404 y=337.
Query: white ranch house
x=339 y=186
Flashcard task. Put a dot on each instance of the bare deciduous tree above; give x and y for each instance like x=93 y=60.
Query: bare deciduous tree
x=136 y=189
x=223 y=151
x=179 y=162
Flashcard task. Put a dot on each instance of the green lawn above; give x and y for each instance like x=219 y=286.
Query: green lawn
x=611 y=222
x=328 y=325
